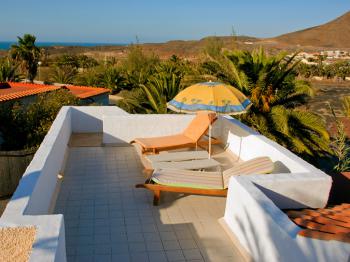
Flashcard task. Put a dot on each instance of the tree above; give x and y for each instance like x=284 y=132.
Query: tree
x=76 y=61
x=270 y=83
x=66 y=60
x=28 y=54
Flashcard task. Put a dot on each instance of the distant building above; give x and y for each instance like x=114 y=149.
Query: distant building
x=27 y=92
x=335 y=54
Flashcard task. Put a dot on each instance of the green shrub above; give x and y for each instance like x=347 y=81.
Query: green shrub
x=27 y=125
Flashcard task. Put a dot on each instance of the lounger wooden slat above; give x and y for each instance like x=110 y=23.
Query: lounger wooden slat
x=187 y=165
x=178 y=156
x=157 y=189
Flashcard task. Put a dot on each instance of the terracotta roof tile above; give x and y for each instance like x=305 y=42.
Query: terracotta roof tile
x=324 y=223
x=14 y=90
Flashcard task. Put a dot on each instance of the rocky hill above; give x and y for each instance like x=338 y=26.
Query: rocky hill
x=334 y=34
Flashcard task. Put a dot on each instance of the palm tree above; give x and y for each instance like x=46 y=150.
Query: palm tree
x=28 y=54
x=270 y=83
x=152 y=97
x=113 y=79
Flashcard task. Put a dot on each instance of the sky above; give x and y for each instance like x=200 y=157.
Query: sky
x=115 y=21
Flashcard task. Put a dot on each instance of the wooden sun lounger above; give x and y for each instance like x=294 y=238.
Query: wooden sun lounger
x=201 y=182
x=189 y=138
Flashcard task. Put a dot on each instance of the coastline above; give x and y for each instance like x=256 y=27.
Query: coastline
x=6 y=45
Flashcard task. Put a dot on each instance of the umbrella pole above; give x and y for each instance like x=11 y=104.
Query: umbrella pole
x=209 y=141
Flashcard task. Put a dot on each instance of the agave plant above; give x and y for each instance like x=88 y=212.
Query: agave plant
x=8 y=71
x=270 y=83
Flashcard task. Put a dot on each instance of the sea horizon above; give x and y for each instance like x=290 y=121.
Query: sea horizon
x=5 y=45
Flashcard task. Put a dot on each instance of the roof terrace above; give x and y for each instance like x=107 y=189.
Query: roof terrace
x=79 y=194
x=107 y=218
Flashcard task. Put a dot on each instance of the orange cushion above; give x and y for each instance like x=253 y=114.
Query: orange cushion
x=199 y=125
x=164 y=141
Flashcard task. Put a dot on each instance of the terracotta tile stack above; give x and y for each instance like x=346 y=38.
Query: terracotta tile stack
x=325 y=224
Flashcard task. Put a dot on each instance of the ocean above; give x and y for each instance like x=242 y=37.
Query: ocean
x=7 y=45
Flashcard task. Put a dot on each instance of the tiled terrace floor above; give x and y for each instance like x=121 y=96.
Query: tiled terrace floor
x=107 y=219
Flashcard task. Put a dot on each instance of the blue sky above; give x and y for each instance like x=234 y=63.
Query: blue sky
x=160 y=20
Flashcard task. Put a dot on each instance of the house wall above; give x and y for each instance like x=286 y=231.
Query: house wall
x=102 y=100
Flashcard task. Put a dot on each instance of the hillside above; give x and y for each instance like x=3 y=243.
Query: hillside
x=334 y=34
x=189 y=49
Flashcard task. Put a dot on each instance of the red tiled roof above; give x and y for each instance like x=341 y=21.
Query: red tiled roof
x=325 y=223
x=86 y=91
x=14 y=90
x=10 y=91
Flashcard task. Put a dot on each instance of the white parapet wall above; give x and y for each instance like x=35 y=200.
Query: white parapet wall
x=34 y=198
x=31 y=202
x=265 y=231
